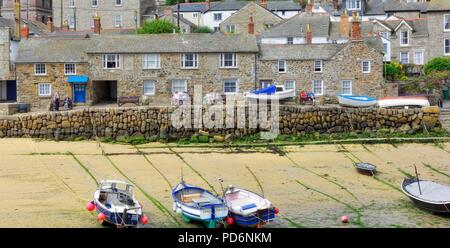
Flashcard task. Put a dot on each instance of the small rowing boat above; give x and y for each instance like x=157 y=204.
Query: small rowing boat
x=403 y=101
x=428 y=195
x=366 y=168
x=271 y=92
x=356 y=101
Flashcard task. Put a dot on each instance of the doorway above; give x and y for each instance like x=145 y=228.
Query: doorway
x=105 y=91
x=79 y=93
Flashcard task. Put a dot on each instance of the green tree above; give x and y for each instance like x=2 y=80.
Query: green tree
x=437 y=65
x=202 y=29
x=394 y=71
x=158 y=27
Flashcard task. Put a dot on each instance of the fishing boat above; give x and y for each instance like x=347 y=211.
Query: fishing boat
x=248 y=209
x=271 y=92
x=356 y=101
x=403 y=102
x=366 y=168
x=428 y=195
x=115 y=204
x=197 y=204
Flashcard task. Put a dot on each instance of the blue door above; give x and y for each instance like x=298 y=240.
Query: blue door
x=11 y=91
x=79 y=93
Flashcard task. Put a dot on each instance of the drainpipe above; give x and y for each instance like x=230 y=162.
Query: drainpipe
x=256 y=71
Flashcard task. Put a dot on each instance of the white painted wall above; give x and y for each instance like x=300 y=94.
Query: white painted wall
x=363 y=18
x=297 y=40
x=387 y=55
x=208 y=18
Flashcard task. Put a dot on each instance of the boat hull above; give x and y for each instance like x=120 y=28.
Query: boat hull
x=256 y=219
x=278 y=95
x=392 y=102
x=434 y=207
x=115 y=218
x=357 y=101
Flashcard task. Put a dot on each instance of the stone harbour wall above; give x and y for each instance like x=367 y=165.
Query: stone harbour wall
x=156 y=122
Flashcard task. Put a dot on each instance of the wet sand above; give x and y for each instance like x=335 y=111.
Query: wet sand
x=47 y=184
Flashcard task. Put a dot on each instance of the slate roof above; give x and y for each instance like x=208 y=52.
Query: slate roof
x=194 y=7
x=439 y=5
x=299 y=52
x=296 y=26
x=419 y=26
x=283 y=5
x=395 y=6
x=372 y=7
x=52 y=50
x=271 y=5
x=173 y=43
x=36 y=28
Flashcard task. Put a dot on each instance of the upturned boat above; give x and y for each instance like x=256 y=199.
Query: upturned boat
x=248 y=209
x=197 y=204
x=356 y=101
x=403 y=101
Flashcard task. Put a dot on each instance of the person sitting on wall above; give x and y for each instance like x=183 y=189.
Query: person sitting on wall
x=68 y=103
x=55 y=101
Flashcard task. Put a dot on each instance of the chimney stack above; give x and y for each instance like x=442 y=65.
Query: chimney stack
x=208 y=5
x=17 y=20
x=263 y=3
x=343 y=25
x=97 y=24
x=309 y=34
x=251 y=26
x=335 y=5
x=309 y=7
x=49 y=24
x=25 y=31
x=356 y=27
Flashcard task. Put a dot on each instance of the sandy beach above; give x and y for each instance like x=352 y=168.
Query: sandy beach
x=47 y=183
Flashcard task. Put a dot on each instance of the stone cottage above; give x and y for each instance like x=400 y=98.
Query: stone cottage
x=438 y=15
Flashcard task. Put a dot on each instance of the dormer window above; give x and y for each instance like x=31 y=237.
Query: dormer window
x=354 y=4
x=404 y=38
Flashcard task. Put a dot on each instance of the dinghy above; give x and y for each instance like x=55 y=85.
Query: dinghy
x=271 y=92
x=403 y=101
x=428 y=195
x=248 y=209
x=365 y=168
x=115 y=204
x=356 y=101
x=194 y=203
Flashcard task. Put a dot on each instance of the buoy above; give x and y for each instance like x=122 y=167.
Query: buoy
x=344 y=219
x=229 y=221
x=277 y=210
x=144 y=219
x=101 y=216
x=90 y=206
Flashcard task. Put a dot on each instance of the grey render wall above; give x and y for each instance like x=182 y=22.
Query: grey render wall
x=437 y=34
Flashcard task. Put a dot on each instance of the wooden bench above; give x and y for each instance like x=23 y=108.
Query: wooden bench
x=128 y=99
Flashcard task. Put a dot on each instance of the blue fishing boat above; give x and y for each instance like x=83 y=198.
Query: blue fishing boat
x=357 y=101
x=197 y=204
x=248 y=209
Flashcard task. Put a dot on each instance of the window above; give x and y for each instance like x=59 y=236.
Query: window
x=179 y=86
x=39 y=70
x=346 y=87
x=447 y=47
x=94 y=3
x=228 y=60
x=189 y=60
x=151 y=61
x=317 y=87
x=44 y=89
x=404 y=58
x=149 y=87
x=216 y=29
x=290 y=40
x=365 y=66
x=70 y=69
x=418 y=58
x=231 y=28
x=217 y=17
x=446 y=22
x=404 y=38
x=118 y=2
x=111 y=61
x=71 y=3
x=289 y=84
x=282 y=66
x=269 y=25
x=72 y=22
x=384 y=35
x=92 y=22
x=385 y=48
x=118 y=21
x=230 y=86
x=354 y=4
x=195 y=15
x=318 y=66
x=283 y=12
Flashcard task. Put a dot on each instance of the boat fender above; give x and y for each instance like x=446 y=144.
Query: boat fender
x=90 y=206
x=144 y=219
x=229 y=220
x=101 y=216
x=344 y=219
x=277 y=210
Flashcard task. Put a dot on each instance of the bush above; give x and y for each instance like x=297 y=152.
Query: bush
x=394 y=71
x=202 y=29
x=437 y=64
x=203 y=139
x=158 y=27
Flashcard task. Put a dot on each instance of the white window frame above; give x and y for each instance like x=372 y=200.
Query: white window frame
x=66 y=71
x=447 y=23
x=71 y=4
x=118 y=4
x=447 y=47
x=105 y=61
x=94 y=5
x=353 y=4
x=215 y=15
x=228 y=81
x=150 y=59
x=321 y=66
x=321 y=86
x=120 y=20
x=222 y=60
x=402 y=36
x=149 y=82
x=36 y=69
x=342 y=87
x=230 y=28
x=401 y=60
x=289 y=81
x=368 y=67
x=71 y=22
x=284 y=67
x=194 y=61
x=195 y=15
x=179 y=80
x=44 y=91
x=421 y=59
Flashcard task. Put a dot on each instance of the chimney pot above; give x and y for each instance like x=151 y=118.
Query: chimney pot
x=344 y=25
x=263 y=3
x=25 y=31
